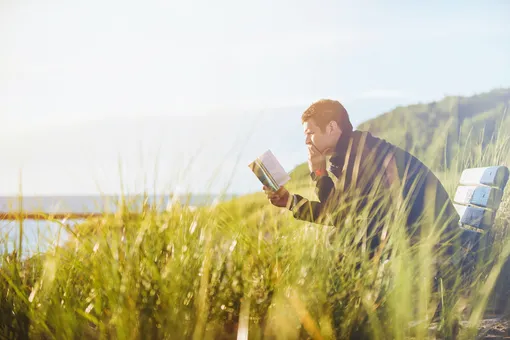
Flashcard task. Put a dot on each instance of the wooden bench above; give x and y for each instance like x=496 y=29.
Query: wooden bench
x=478 y=197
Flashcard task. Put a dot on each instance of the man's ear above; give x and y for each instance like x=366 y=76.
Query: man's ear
x=332 y=127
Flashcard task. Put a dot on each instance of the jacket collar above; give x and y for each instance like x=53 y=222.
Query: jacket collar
x=338 y=157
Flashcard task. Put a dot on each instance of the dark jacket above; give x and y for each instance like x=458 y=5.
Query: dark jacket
x=367 y=170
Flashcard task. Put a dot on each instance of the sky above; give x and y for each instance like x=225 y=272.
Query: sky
x=72 y=68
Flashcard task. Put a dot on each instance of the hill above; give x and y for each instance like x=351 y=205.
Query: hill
x=436 y=131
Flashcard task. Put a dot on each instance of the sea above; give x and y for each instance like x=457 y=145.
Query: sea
x=40 y=235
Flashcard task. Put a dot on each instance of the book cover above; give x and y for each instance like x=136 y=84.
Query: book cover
x=269 y=171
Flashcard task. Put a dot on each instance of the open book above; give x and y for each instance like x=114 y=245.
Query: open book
x=269 y=171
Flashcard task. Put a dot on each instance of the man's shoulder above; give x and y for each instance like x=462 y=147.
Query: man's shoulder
x=373 y=143
x=374 y=140
x=401 y=155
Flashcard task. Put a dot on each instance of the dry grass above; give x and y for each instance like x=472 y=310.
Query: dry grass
x=198 y=274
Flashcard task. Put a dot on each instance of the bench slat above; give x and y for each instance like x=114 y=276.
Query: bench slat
x=494 y=176
x=482 y=196
x=475 y=216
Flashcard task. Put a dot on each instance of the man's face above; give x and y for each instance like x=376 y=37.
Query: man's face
x=323 y=141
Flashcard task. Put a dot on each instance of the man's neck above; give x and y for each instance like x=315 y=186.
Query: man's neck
x=343 y=140
x=340 y=151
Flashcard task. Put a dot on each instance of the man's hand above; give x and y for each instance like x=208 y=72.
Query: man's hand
x=279 y=198
x=316 y=160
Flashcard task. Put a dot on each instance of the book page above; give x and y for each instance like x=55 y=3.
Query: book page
x=260 y=171
x=274 y=167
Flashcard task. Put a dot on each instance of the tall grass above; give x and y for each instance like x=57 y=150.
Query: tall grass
x=245 y=270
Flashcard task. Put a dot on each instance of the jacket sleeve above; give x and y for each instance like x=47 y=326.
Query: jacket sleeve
x=312 y=211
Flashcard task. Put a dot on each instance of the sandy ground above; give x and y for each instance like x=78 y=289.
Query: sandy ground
x=496 y=328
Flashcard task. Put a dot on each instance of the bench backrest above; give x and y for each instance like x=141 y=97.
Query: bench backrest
x=479 y=195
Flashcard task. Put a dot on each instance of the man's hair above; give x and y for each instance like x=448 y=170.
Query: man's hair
x=326 y=110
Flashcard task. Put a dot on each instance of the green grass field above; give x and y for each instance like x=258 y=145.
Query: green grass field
x=245 y=270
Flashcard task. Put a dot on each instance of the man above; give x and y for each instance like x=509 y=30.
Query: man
x=364 y=166
x=373 y=178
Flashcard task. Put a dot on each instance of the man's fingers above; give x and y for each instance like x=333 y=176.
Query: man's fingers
x=314 y=150
x=273 y=196
x=268 y=191
x=274 y=200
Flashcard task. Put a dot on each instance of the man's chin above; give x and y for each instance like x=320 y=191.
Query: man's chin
x=328 y=152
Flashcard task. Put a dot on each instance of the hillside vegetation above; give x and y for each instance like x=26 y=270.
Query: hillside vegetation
x=438 y=132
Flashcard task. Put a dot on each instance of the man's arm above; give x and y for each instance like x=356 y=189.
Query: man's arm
x=312 y=211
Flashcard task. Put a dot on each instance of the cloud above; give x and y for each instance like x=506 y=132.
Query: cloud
x=301 y=42
x=382 y=93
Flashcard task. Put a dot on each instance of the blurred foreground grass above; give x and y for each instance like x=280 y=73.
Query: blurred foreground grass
x=241 y=270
